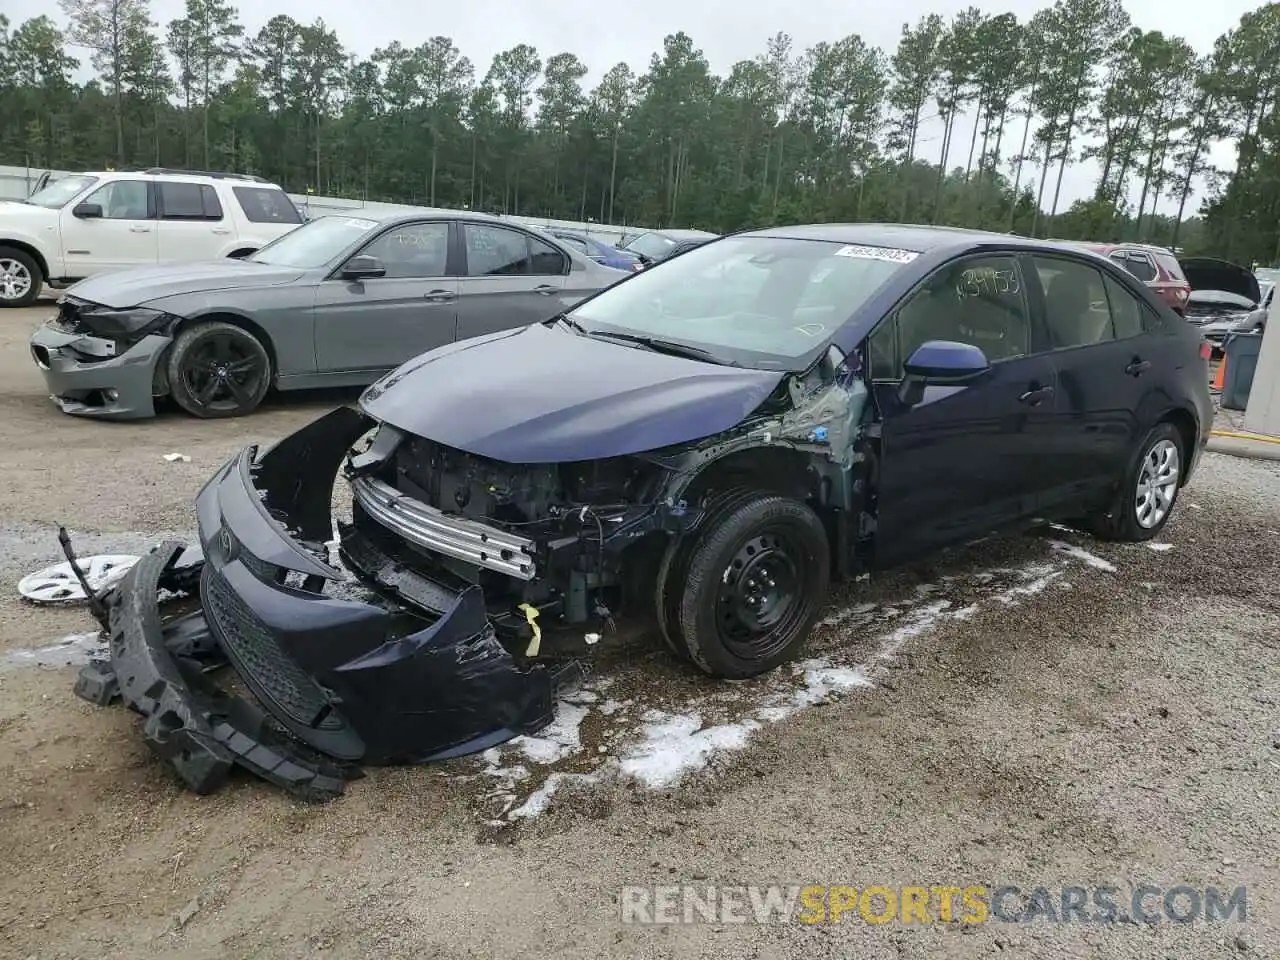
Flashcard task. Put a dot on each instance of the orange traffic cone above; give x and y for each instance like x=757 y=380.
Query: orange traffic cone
x=1220 y=377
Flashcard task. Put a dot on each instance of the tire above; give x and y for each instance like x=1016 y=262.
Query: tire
x=732 y=628
x=20 y=278
x=218 y=370
x=1131 y=518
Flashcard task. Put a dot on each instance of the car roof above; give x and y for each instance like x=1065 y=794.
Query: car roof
x=920 y=238
x=684 y=234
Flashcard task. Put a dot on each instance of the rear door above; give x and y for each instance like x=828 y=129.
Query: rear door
x=512 y=279
x=376 y=324
x=968 y=458
x=192 y=224
x=1106 y=363
x=124 y=236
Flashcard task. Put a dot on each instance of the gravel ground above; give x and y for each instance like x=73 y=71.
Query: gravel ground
x=1041 y=711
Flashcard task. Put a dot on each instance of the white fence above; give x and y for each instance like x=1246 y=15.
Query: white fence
x=16 y=184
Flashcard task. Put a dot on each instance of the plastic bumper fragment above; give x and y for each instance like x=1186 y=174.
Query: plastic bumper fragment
x=158 y=669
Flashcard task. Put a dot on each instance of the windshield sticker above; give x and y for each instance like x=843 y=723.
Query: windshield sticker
x=890 y=254
x=987 y=282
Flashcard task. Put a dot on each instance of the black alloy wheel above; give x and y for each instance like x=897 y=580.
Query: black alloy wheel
x=218 y=370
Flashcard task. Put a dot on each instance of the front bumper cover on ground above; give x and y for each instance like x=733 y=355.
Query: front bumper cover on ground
x=408 y=670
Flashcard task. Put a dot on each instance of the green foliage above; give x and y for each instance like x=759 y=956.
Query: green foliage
x=835 y=132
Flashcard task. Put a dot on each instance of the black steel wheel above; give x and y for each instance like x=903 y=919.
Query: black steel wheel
x=218 y=370
x=754 y=584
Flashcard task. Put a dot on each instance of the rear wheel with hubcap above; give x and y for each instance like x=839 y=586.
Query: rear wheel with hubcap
x=218 y=370
x=20 y=278
x=1148 y=491
x=753 y=585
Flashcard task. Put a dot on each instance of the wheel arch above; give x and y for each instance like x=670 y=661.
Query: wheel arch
x=30 y=251
x=236 y=320
x=1188 y=427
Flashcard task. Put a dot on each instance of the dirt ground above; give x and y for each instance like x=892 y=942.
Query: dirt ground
x=1113 y=717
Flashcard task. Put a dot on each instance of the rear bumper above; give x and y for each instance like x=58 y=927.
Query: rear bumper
x=84 y=379
x=406 y=671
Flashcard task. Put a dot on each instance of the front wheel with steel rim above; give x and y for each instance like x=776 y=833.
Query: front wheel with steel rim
x=217 y=370
x=754 y=583
x=1149 y=489
x=20 y=279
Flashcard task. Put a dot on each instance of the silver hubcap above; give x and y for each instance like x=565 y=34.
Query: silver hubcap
x=1157 y=483
x=15 y=280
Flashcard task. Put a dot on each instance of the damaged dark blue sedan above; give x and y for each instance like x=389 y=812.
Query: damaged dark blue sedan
x=703 y=446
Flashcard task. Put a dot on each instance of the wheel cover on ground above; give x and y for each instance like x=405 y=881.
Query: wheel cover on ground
x=1157 y=486
x=15 y=279
x=761 y=600
x=223 y=372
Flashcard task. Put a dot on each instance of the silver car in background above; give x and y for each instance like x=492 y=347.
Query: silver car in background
x=337 y=302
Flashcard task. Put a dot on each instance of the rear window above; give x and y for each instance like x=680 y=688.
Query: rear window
x=266 y=205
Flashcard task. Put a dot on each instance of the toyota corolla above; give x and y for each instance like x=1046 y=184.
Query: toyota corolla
x=703 y=446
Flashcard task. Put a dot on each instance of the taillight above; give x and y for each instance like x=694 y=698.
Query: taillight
x=1206 y=350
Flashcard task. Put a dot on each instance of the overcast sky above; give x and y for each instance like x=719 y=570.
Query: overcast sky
x=604 y=33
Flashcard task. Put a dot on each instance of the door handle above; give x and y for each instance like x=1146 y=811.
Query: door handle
x=221 y=231
x=440 y=296
x=545 y=289
x=137 y=229
x=1137 y=367
x=1036 y=395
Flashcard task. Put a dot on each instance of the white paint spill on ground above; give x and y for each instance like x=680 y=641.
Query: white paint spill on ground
x=1159 y=547
x=1080 y=553
x=71 y=651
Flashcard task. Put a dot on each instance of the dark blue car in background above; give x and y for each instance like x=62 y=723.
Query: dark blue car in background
x=597 y=250
x=704 y=445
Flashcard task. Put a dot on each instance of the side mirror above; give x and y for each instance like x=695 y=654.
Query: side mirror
x=87 y=211
x=363 y=268
x=940 y=362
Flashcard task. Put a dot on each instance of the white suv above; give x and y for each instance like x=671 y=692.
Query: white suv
x=88 y=223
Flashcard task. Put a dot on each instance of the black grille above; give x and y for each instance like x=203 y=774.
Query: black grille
x=258 y=657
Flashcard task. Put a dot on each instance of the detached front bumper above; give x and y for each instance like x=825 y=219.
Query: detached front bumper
x=85 y=377
x=405 y=671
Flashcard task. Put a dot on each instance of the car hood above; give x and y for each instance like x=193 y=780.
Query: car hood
x=1209 y=273
x=547 y=395
x=130 y=288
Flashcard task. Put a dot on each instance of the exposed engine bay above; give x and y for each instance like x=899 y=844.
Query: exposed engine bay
x=567 y=544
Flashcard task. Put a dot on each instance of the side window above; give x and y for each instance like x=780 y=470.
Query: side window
x=122 y=200
x=979 y=301
x=1077 y=312
x=1137 y=264
x=188 y=201
x=545 y=260
x=413 y=250
x=882 y=352
x=501 y=252
x=1126 y=311
x=266 y=205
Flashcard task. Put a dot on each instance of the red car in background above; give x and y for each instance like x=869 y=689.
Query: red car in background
x=1157 y=267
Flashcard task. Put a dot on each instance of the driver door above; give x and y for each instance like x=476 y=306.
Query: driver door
x=124 y=236
x=366 y=327
x=971 y=457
